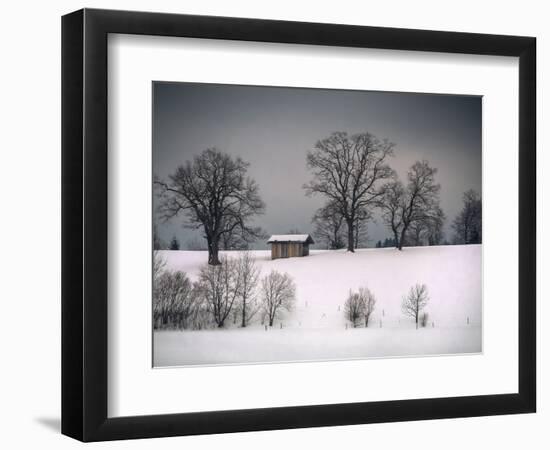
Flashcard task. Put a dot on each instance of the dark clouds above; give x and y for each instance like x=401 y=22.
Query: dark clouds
x=272 y=128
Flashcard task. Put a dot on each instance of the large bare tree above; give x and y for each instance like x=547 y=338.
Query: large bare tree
x=467 y=225
x=278 y=293
x=418 y=202
x=215 y=194
x=349 y=172
x=392 y=205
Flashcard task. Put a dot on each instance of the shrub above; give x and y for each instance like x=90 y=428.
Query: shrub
x=174 y=301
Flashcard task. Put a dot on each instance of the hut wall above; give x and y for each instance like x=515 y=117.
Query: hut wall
x=294 y=249
x=288 y=249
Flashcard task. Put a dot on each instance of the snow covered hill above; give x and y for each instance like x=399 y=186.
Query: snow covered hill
x=317 y=329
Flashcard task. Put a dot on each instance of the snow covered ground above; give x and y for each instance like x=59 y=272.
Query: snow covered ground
x=316 y=328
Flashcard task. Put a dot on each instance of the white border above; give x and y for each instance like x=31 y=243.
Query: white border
x=136 y=389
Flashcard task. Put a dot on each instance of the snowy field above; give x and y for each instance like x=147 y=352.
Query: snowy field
x=316 y=328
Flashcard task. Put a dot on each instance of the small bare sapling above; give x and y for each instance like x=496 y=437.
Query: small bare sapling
x=354 y=308
x=359 y=306
x=415 y=301
x=278 y=293
x=370 y=302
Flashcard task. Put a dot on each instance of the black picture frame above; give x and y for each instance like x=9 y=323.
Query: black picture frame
x=84 y=224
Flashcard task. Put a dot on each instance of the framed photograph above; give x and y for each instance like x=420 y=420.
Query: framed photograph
x=273 y=224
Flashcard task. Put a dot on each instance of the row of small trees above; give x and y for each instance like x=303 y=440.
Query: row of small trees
x=360 y=305
x=232 y=289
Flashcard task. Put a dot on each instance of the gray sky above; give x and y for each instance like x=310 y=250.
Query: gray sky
x=272 y=128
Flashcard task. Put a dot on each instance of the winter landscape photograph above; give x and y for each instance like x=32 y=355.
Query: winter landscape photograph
x=302 y=224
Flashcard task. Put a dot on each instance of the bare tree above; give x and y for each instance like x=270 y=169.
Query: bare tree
x=328 y=223
x=467 y=225
x=415 y=301
x=428 y=230
x=359 y=305
x=369 y=302
x=159 y=264
x=422 y=197
x=354 y=308
x=417 y=233
x=215 y=194
x=416 y=203
x=392 y=205
x=248 y=274
x=348 y=171
x=278 y=293
x=174 y=302
x=435 y=233
x=219 y=287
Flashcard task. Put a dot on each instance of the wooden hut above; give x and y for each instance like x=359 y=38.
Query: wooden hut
x=289 y=245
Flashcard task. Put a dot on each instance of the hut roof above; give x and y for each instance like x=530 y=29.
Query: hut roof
x=303 y=238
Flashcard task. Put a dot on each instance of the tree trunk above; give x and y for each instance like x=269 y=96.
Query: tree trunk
x=213 y=248
x=351 y=246
x=243 y=323
x=366 y=321
x=334 y=244
x=396 y=239
x=402 y=239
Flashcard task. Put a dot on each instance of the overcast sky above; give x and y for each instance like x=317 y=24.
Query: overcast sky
x=272 y=128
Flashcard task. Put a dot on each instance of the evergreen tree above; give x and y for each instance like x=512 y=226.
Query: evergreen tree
x=174 y=244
